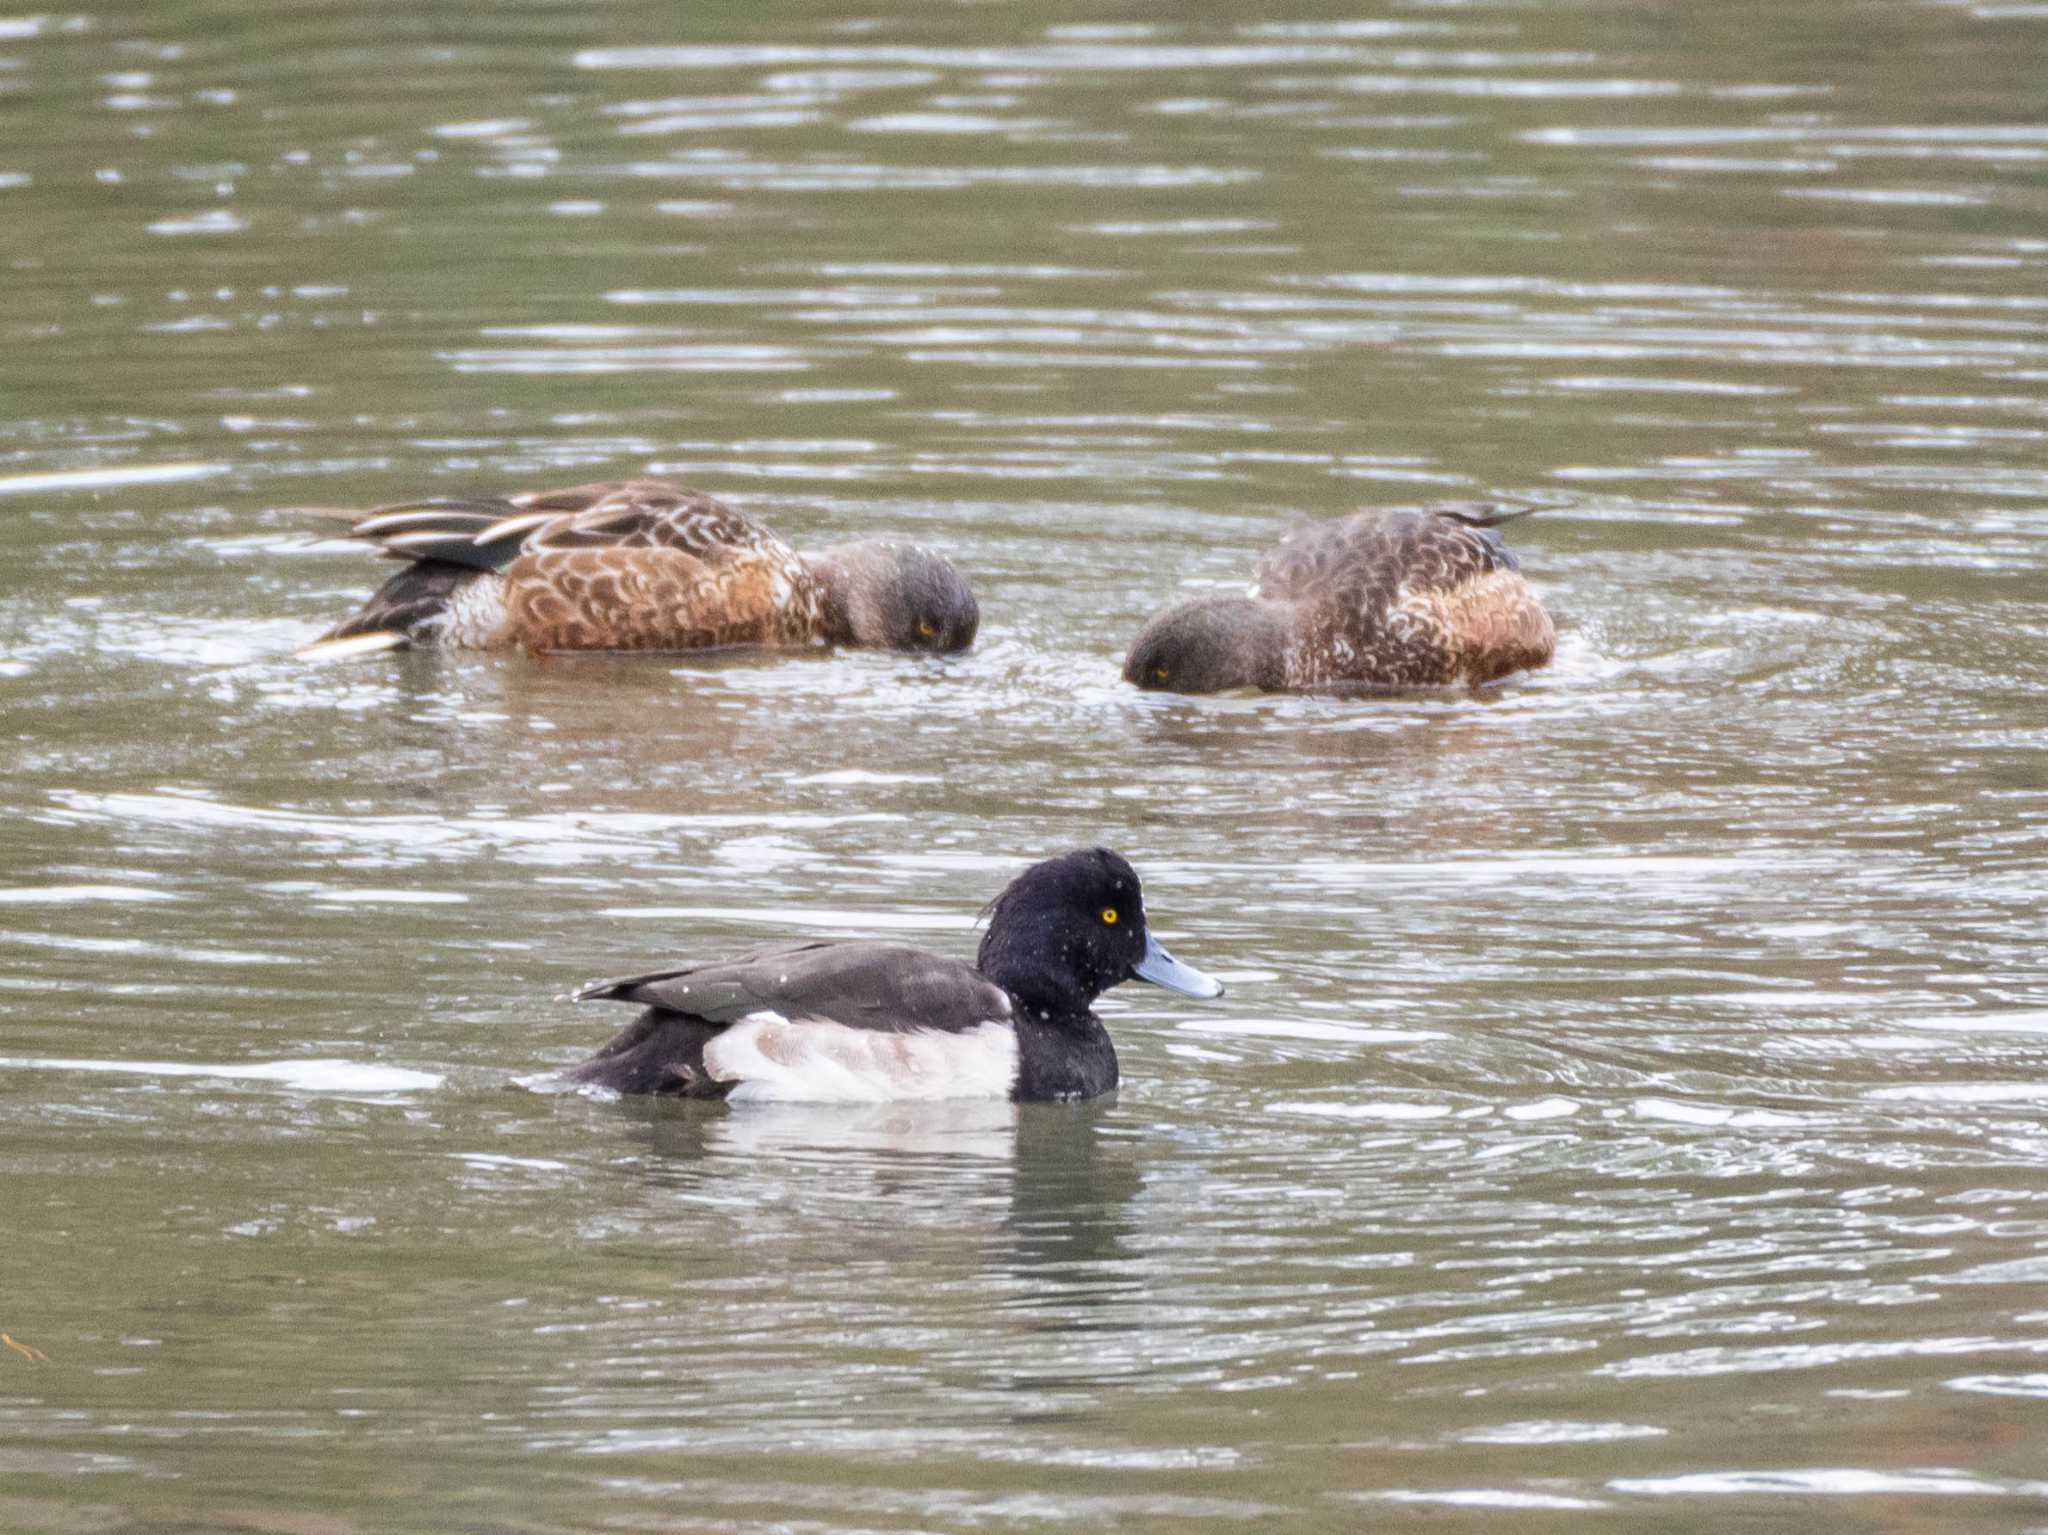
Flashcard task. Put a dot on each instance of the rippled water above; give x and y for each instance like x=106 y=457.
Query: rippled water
x=1629 y=1101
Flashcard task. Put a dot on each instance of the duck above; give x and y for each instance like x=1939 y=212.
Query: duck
x=636 y=565
x=861 y=1022
x=1388 y=597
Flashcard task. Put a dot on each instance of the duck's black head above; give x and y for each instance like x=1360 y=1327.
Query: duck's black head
x=1210 y=645
x=1068 y=929
x=896 y=597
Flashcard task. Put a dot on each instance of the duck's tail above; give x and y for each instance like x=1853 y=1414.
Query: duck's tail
x=1491 y=514
x=339 y=647
x=407 y=607
x=445 y=544
x=658 y=1052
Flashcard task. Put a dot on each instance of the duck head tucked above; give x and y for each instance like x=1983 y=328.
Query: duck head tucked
x=636 y=565
x=1389 y=597
x=895 y=597
x=1210 y=645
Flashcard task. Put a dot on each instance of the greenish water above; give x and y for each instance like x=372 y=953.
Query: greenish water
x=1628 y=1107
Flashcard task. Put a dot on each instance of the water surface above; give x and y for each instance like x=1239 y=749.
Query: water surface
x=1628 y=1105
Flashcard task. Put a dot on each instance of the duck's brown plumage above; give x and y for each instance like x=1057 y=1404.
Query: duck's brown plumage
x=1386 y=597
x=636 y=565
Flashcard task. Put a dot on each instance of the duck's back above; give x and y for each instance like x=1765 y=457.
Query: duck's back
x=645 y=565
x=637 y=514
x=625 y=565
x=1426 y=548
x=847 y=1022
x=1406 y=597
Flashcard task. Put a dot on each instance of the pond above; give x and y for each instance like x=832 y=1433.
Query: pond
x=1630 y=1104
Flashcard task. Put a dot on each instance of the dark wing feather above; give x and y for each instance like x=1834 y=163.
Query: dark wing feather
x=456 y=532
x=657 y=1053
x=715 y=992
x=413 y=596
x=1489 y=514
x=859 y=985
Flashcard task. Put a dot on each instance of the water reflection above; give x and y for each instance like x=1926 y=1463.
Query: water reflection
x=1069 y=1226
x=839 y=1139
x=1629 y=1096
x=1070 y=1173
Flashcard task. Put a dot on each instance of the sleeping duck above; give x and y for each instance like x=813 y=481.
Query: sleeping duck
x=637 y=565
x=1395 y=597
x=872 y=1022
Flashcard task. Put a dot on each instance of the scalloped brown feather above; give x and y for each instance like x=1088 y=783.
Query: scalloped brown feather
x=658 y=599
x=1386 y=597
x=630 y=565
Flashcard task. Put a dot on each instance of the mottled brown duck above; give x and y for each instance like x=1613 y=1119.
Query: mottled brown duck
x=637 y=565
x=1392 y=597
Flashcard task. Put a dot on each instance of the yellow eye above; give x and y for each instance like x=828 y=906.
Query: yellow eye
x=925 y=629
x=1159 y=672
x=1109 y=915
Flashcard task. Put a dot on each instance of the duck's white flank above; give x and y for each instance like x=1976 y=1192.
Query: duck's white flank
x=475 y=615
x=810 y=1061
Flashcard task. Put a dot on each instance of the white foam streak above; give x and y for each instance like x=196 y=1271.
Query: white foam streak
x=310 y=1076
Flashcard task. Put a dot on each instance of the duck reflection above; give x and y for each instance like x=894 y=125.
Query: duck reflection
x=940 y=1157
x=883 y=1135
x=1069 y=1227
x=1432 y=764
x=1072 y=1174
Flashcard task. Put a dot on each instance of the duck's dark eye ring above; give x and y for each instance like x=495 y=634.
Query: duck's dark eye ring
x=1109 y=915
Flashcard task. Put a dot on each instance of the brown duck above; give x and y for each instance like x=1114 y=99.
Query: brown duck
x=637 y=565
x=1391 y=597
